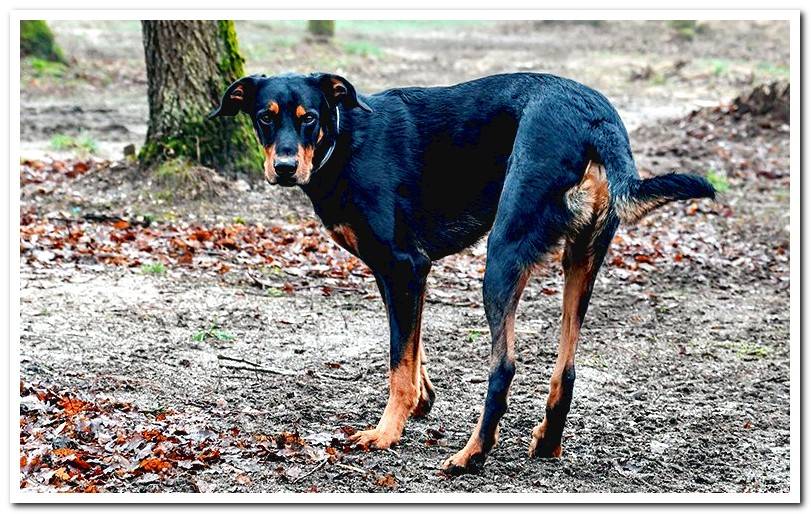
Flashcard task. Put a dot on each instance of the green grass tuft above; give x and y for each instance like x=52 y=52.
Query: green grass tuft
x=754 y=350
x=474 y=336
x=153 y=268
x=275 y=292
x=718 y=180
x=773 y=70
x=212 y=333
x=720 y=67
x=45 y=68
x=83 y=145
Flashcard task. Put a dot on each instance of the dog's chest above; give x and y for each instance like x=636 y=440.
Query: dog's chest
x=345 y=236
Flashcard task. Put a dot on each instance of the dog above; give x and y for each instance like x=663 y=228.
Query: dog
x=407 y=176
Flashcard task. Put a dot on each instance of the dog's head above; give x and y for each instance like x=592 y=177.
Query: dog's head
x=294 y=117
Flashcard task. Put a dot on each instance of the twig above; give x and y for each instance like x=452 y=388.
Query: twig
x=517 y=331
x=305 y=475
x=262 y=370
x=240 y=377
x=353 y=468
x=348 y=378
x=452 y=304
x=101 y=217
x=234 y=359
x=256 y=280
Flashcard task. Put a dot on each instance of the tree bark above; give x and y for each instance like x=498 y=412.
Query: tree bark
x=189 y=65
x=321 y=29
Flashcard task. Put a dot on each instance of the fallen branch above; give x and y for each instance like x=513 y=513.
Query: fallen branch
x=305 y=475
x=262 y=370
x=353 y=468
x=348 y=378
x=485 y=330
x=235 y=359
x=452 y=304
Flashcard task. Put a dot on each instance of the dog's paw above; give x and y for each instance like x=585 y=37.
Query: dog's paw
x=465 y=461
x=541 y=447
x=374 y=438
x=426 y=401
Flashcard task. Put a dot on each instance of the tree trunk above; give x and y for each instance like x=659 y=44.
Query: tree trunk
x=189 y=65
x=37 y=40
x=321 y=29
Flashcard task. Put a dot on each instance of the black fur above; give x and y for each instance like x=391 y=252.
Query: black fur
x=419 y=173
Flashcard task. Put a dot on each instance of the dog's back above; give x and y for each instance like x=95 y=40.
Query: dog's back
x=448 y=149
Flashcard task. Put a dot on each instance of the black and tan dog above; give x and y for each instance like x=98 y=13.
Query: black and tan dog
x=407 y=176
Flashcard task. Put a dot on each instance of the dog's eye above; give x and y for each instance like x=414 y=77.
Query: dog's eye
x=307 y=118
x=266 y=118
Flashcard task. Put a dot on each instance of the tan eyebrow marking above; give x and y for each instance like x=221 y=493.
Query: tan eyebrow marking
x=300 y=111
x=273 y=107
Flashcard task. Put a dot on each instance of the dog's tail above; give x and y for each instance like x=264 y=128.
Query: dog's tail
x=641 y=196
x=633 y=197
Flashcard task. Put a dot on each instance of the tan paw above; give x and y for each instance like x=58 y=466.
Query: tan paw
x=374 y=438
x=465 y=461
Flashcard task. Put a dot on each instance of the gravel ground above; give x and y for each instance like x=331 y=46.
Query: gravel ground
x=683 y=367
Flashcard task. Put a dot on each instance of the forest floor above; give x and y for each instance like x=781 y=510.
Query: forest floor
x=212 y=339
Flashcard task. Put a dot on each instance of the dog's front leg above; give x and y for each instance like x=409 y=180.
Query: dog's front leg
x=402 y=286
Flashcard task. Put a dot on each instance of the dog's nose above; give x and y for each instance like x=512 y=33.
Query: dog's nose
x=285 y=167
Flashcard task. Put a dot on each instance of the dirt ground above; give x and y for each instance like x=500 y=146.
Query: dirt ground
x=683 y=368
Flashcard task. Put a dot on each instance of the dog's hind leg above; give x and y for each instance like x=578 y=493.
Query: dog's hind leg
x=402 y=285
x=593 y=228
x=523 y=232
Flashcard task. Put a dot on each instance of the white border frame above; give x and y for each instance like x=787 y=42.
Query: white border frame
x=793 y=16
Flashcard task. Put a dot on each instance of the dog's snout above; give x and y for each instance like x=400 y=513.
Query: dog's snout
x=285 y=166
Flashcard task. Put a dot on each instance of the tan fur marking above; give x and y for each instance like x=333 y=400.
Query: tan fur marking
x=273 y=107
x=426 y=387
x=305 y=163
x=590 y=199
x=631 y=211
x=238 y=93
x=270 y=156
x=508 y=330
x=338 y=87
x=404 y=393
x=345 y=237
x=473 y=448
x=575 y=287
x=300 y=111
x=579 y=271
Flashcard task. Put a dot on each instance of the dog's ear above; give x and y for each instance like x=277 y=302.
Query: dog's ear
x=338 y=90
x=238 y=97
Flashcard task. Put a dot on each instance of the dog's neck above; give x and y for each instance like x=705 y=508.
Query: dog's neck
x=331 y=147
x=328 y=181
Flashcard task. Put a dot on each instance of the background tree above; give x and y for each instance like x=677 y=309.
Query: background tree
x=321 y=29
x=189 y=64
x=37 y=40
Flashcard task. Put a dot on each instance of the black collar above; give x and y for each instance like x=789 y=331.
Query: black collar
x=334 y=140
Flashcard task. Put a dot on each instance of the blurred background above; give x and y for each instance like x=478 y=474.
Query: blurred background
x=186 y=327
x=650 y=70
